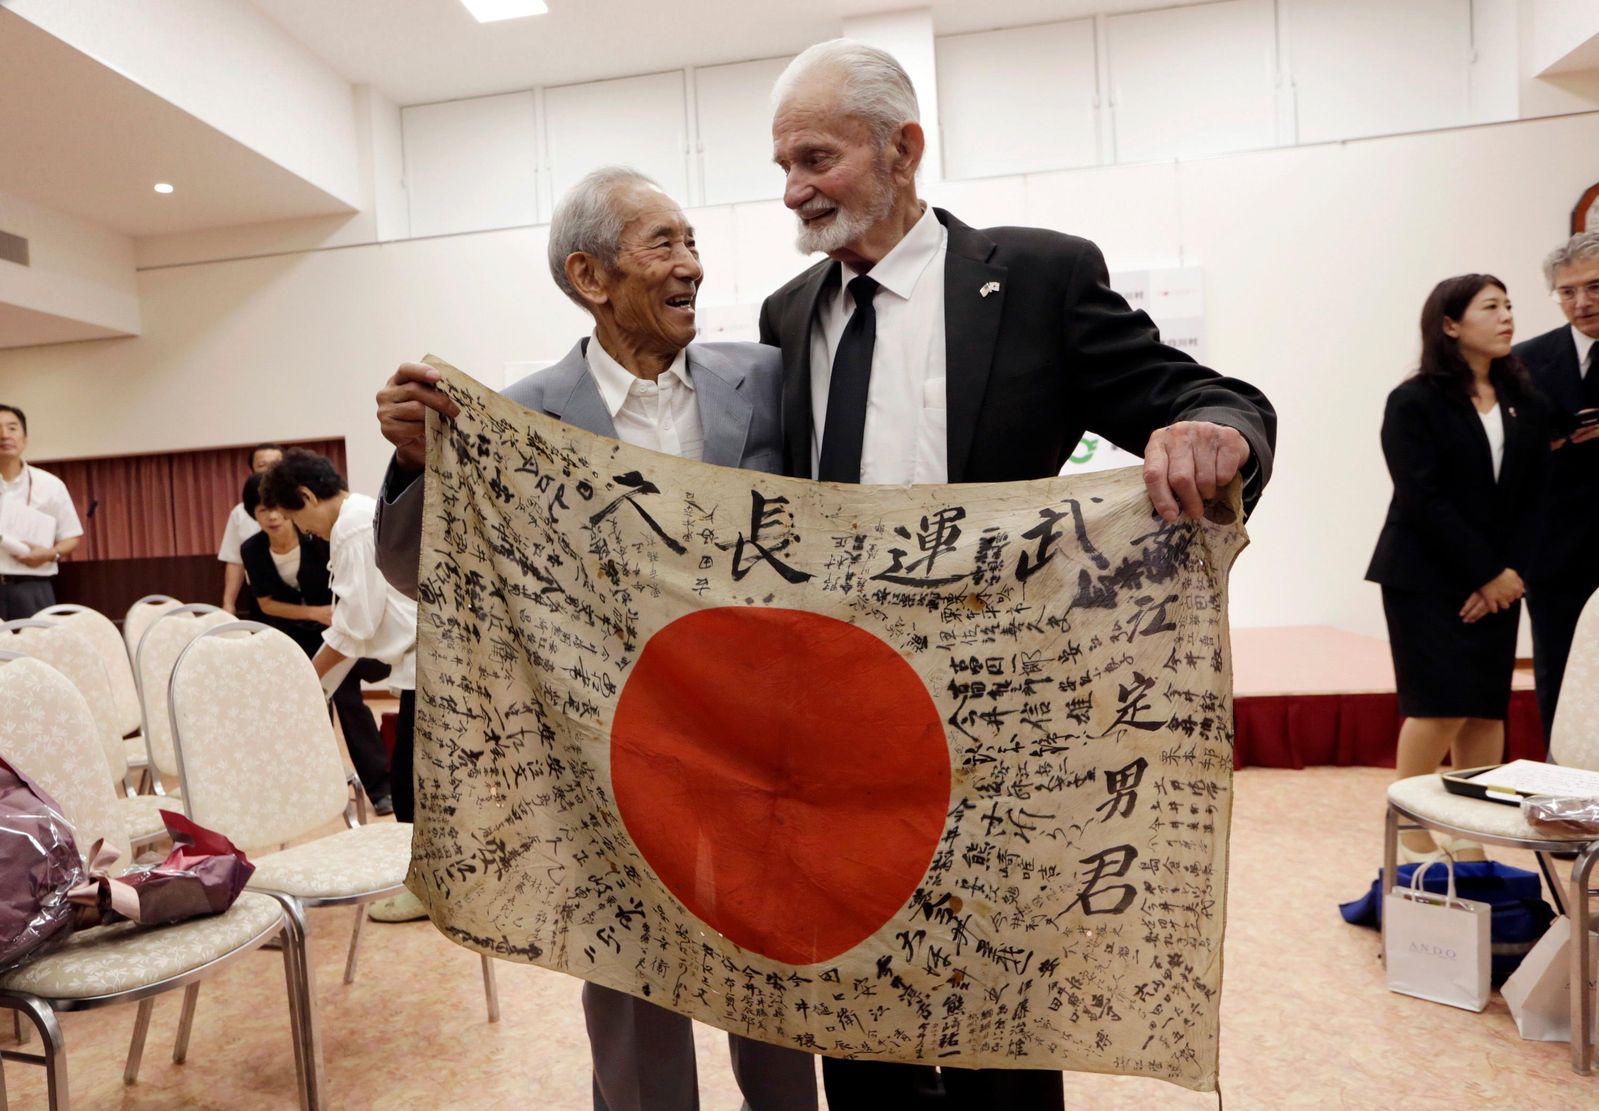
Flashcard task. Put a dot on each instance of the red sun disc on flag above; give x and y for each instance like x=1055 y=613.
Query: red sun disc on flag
x=785 y=774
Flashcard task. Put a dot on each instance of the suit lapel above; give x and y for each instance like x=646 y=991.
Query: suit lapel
x=795 y=335
x=725 y=411
x=572 y=395
x=971 y=331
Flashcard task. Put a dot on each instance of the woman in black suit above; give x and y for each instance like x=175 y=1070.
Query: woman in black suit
x=1466 y=438
x=288 y=572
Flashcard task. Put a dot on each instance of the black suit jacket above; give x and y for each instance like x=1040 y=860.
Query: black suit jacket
x=1049 y=353
x=1568 y=520
x=256 y=555
x=1451 y=527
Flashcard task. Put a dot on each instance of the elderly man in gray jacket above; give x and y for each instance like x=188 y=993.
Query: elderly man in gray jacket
x=623 y=251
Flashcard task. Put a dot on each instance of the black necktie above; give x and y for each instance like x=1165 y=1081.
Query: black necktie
x=1590 y=380
x=846 y=389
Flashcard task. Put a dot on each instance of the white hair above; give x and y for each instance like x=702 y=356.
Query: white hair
x=587 y=221
x=1579 y=248
x=872 y=86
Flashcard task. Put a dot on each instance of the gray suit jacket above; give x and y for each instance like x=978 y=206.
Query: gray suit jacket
x=739 y=390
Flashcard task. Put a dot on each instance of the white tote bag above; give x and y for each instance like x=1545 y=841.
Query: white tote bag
x=1538 y=993
x=1436 y=946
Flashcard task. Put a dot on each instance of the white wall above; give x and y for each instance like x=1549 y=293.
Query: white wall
x=226 y=64
x=77 y=271
x=1316 y=261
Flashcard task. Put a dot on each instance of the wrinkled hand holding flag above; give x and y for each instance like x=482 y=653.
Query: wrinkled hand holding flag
x=934 y=774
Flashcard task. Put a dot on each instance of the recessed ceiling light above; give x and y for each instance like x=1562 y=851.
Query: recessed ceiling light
x=162 y=187
x=492 y=11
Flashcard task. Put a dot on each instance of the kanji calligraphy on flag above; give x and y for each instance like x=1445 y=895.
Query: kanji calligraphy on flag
x=932 y=774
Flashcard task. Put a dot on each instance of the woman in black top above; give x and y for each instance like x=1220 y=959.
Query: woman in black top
x=1466 y=438
x=288 y=572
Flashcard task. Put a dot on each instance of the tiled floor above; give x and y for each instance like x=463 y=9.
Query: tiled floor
x=1306 y=1020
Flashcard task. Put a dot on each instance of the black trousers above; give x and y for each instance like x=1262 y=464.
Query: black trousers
x=401 y=778
x=360 y=729
x=1554 y=609
x=880 y=1086
x=25 y=595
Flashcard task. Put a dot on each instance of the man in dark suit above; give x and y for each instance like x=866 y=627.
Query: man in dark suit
x=927 y=351
x=1565 y=569
x=623 y=251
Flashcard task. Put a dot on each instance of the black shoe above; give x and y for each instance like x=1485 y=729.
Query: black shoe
x=383 y=805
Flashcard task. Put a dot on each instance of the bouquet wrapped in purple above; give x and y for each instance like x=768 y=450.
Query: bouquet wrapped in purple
x=203 y=874
x=39 y=865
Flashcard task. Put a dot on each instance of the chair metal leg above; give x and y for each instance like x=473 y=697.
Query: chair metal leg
x=54 y=1058
x=302 y=1007
x=1582 y=988
x=21 y=1030
x=355 y=944
x=180 y=1048
x=141 y=1027
x=491 y=987
x=1557 y=889
x=1390 y=866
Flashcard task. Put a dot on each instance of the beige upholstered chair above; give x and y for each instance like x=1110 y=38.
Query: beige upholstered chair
x=260 y=764
x=1421 y=802
x=158 y=649
x=99 y=630
x=74 y=657
x=47 y=731
x=139 y=617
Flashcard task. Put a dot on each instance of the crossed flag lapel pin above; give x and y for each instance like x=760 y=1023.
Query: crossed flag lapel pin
x=988 y=287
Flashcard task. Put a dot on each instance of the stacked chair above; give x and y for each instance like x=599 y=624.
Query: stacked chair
x=1422 y=802
x=48 y=730
x=76 y=658
x=99 y=630
x=259 y=764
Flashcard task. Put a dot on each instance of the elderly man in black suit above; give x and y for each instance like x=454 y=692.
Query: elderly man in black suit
x=1565 y=569
x=927 y=351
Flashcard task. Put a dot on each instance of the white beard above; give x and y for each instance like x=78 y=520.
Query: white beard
x=846 y=225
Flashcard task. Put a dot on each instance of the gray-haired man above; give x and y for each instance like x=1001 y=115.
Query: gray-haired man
x=1565 y=570
x=622 y=250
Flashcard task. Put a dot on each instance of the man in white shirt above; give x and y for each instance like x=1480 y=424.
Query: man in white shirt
x=240 y=527
x=623 y=251
x=36 y=505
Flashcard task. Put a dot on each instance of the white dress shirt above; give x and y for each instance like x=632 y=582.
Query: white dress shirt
x=371 y=620
x=1493 y=423
x=240 y=527
x=46 y=493
x=905 y=439
x=1584 y=345
x=662 y=415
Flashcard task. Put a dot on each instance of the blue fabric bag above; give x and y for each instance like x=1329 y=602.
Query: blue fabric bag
x=1520 y=915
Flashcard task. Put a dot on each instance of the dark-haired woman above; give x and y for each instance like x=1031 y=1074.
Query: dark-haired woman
x=288 y=574
x=1466 y=438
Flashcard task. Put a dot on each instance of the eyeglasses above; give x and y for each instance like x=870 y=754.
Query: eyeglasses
x=1566 y=294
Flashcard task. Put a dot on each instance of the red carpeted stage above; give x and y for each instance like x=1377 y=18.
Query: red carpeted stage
x=1318 y=695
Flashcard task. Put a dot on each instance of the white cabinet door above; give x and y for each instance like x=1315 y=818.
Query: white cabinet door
x=735 y=130
x=1187 y=82
x=1018 y=101
x=1374 y=67
x=471 y=164
x=636 y=121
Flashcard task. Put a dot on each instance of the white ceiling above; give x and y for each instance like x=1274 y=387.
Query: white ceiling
x=79 y=138
x=422 y=51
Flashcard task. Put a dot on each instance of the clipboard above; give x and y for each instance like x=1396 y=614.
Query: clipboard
x=1462 y=783
x=1538 y=779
